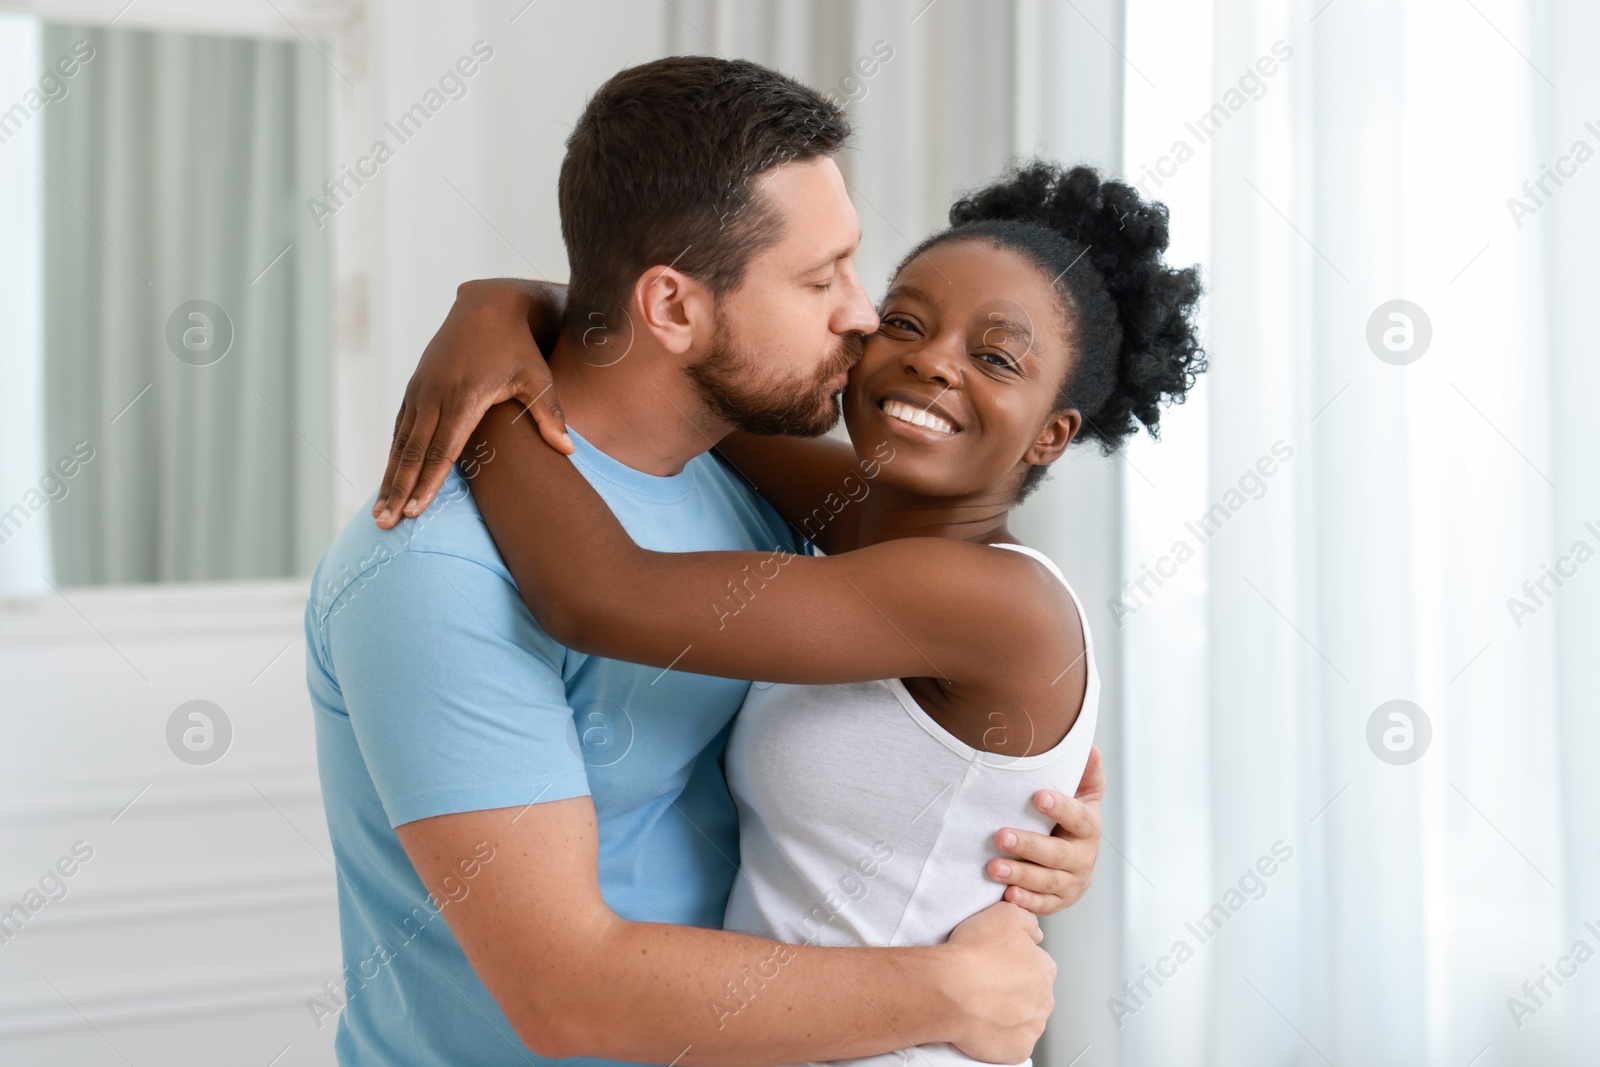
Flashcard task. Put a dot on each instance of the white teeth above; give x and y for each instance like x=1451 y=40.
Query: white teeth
x=897 y=409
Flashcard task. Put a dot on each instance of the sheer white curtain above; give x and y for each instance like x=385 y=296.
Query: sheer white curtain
x=1414 y=489
x=187 y=306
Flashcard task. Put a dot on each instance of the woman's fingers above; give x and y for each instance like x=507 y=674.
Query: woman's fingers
x=1046 y=879
x=1037 y=903
x=1073 y=817
x=391 y=489
x=1056 y=868
x=547 y=414
x=1059 y=866
x=479 y=356
x=431 y=434
x=456 y=421
x=406 y=457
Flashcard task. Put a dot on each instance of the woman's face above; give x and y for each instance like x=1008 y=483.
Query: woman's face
x=962 y=376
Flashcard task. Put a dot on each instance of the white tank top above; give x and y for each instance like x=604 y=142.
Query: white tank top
x=863 y=822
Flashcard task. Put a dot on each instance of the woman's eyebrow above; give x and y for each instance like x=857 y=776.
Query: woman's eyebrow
x=909 y=291
x=1012 y=328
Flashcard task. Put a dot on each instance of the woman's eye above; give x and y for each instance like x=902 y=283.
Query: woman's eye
x=896 y=322
x=997 y=359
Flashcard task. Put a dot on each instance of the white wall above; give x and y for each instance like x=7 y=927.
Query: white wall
x=470 y=195
x=205 y=917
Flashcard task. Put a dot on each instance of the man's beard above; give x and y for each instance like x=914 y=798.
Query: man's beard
x=731 y=384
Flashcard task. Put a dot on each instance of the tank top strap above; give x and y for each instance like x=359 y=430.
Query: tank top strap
x=1036 y=554
x=1083 y=616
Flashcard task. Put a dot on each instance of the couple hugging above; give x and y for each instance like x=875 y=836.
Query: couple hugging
x=663 y=728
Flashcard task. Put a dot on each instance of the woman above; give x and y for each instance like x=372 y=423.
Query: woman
x=924 y=674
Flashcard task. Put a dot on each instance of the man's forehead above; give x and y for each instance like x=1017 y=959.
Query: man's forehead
x=814 y=186
x=820 y=222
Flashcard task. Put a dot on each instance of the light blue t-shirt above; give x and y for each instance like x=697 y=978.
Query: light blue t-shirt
x=435 y=692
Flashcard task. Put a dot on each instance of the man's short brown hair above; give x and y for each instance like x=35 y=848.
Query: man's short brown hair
x=658 y=172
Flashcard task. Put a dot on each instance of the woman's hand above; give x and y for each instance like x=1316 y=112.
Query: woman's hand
x=1053 y=871
x=487 y=351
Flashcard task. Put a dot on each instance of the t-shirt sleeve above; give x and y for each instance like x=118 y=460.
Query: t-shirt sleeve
x=454 y=693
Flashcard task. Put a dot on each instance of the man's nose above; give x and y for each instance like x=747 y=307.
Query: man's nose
x=858 y=314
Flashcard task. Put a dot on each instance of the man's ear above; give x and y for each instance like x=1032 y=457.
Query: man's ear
x=677 y=310
x=1053 y=440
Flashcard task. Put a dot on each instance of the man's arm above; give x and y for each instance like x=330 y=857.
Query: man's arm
x=458 y=705
x=574 y=979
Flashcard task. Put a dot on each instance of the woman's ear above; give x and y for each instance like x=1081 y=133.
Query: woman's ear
x=678 y=311
x=1053 y=440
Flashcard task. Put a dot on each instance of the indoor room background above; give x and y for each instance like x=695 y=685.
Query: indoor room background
x=1343 y=608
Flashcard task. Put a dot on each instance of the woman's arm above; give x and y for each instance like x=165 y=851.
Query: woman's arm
x=491 y=348
x=814 y=483
x=488 y=350
x=917 y=607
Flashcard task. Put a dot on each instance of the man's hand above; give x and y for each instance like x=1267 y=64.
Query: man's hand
x=1052 y=871
x=486 y=352
x=1013 y=976
x=574 y=979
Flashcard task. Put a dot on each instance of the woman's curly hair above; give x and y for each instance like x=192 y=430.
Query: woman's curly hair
x=1135 y=346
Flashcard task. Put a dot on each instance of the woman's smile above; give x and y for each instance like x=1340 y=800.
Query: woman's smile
x=921 y=420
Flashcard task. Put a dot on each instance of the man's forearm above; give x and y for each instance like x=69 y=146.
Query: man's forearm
x=656 y=993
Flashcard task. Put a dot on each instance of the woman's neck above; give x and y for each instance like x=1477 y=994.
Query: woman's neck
x=888 y=514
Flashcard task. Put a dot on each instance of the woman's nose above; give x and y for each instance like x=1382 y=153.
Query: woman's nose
x=937 y=361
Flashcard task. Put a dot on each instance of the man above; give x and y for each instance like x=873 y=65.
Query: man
x=566 y=816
